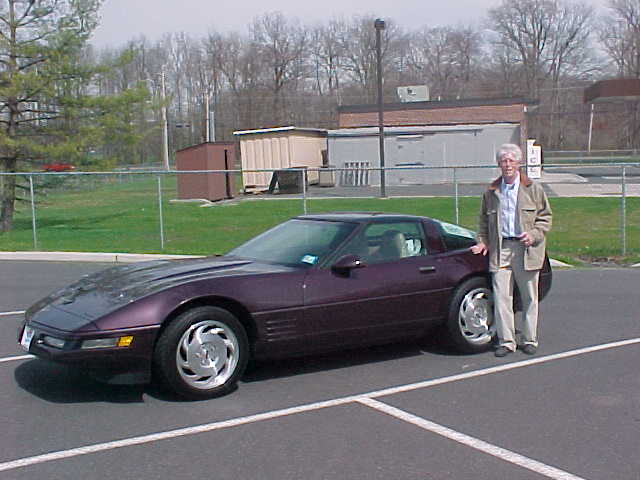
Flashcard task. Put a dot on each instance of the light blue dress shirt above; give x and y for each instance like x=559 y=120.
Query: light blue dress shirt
x=508 y=210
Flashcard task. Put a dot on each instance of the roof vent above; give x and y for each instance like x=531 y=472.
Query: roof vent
x=413 y=93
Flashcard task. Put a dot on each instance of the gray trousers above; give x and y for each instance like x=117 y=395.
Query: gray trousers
x=512 y=272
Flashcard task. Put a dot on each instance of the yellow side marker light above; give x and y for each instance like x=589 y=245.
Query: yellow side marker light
x=125 y=341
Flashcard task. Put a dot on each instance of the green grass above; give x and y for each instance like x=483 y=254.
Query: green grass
x=122 y=216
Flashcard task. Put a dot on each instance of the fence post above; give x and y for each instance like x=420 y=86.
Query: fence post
x=303 y=174
x=455 y=183
x=160 y=213
x=624 y=210
x=33 y=213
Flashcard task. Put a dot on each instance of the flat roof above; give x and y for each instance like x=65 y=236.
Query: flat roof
x=614 y=90
x=416 y=129
x=319 y=131
x=435 y=104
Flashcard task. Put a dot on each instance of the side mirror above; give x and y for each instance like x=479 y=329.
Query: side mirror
x=345 y=264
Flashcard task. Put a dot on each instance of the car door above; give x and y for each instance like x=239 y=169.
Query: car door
x=397 y=292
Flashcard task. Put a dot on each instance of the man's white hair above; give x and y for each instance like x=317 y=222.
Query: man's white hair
x=509 y=148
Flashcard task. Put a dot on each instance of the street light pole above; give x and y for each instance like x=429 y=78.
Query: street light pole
x=379 y=26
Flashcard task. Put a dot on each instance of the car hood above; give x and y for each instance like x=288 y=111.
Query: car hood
x=100 y=293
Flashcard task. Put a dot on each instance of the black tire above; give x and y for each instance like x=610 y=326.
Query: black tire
x=470 y=325
x=202 y=353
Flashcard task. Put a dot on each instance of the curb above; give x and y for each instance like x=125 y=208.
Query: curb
x=559 y=264
x=89 y=257
x=131 y=257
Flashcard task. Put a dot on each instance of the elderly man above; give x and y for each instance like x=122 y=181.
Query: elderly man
x=514 y=218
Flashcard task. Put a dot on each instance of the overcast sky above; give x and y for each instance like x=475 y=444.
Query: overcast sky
x=123 y=20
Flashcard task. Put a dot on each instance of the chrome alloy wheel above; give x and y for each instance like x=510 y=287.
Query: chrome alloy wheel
x=207 y=354
x=475 y=318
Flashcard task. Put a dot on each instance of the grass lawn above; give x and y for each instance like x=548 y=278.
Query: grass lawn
x=114 y=216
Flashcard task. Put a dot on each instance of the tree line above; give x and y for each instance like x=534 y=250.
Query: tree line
x=61 y=99
x=283 y=72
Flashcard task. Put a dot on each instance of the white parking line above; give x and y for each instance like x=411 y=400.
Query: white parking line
x=7 y=314
x=501 y=368
x=127 y=442
x=13 y=359
x=209 y=427
x=498 y=452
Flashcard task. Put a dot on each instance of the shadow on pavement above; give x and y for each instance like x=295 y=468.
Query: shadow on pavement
x=434 y=343
x=60 y=384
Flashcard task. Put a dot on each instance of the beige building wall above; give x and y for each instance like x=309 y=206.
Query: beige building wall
x=274 y=149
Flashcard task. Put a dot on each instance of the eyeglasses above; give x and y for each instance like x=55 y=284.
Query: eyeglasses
x=506 y=160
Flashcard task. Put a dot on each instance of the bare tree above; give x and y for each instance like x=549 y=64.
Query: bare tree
x=547 y=35
x=281 y=43
x=620 y=36
x=448 y=58
x=524 y=27
x=327 y=54
x=242 y=71
x=357 y=41
x=570 y=57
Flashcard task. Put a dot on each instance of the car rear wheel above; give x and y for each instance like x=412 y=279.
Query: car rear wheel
x=202 y=353
x=470 y=324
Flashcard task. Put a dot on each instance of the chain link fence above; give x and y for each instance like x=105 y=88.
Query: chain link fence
x=148 y=197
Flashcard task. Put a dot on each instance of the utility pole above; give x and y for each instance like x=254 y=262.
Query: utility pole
x=165 y=125
x=207 y=127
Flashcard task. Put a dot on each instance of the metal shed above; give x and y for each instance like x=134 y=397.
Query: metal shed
x=206 y=156
x=420 y=146
x=279 y=148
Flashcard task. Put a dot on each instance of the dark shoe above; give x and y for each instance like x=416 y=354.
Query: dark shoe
x=530 y=349
x=502 y=352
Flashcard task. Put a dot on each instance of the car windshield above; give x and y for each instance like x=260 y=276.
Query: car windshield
x=456 y=237
x=296 y=242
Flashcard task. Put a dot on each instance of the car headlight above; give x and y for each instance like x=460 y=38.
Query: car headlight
x=107 y=342
x=53 y=341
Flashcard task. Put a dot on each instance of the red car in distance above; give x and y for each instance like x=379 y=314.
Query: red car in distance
x=58 y=167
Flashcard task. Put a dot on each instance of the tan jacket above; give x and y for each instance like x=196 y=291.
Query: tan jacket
x=533 y=213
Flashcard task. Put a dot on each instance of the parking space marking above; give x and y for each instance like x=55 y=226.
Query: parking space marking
x=209 y=427
x=8 y=314
x=501 y=368
x=475 y=443
x=13 y=359
x=181 y=432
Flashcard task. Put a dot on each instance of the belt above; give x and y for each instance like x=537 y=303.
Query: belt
x=513 y=239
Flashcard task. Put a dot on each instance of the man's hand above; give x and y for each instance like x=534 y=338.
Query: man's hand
x=526 y=239
x=479 y=249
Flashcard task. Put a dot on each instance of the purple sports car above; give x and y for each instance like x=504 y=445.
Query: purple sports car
x=311 y=284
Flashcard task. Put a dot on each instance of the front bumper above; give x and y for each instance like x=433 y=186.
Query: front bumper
x=116 y=365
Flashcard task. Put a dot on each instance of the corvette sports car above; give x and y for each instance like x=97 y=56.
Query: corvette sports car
x=311 y=284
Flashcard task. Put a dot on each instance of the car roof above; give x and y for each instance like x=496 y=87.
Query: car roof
x=360 y=217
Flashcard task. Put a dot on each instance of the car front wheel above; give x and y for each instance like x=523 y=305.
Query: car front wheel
x=202 y=353
x=470 y=324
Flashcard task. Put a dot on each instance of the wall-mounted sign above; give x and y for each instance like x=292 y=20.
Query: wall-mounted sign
x=534 y=159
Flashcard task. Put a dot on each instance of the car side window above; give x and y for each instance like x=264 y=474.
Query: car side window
x=455 y=237
x=386 y=242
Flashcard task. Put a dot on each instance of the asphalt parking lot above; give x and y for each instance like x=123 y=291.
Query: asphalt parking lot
x=410 y=411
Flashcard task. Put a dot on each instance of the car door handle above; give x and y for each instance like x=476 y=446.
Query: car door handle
x=430 y=269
